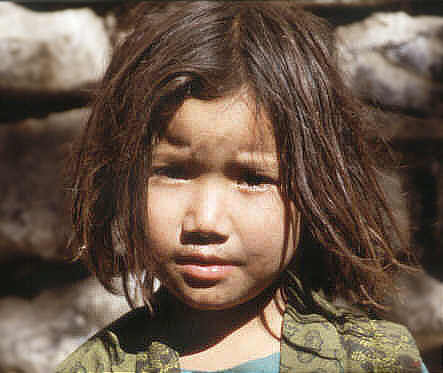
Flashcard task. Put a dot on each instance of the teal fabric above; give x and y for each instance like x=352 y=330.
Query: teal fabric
x=269 y=364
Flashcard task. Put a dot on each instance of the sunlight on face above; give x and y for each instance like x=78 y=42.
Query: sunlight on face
x=216 y=219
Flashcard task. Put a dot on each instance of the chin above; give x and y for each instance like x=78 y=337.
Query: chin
x=210 y=300
x=208 y=303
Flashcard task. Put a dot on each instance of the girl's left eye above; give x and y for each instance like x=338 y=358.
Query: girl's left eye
x=255 y=181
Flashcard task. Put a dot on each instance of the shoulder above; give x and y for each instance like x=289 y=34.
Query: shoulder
x=116 y=346
x=98 y=354
x=379 y=344
x=348 y=341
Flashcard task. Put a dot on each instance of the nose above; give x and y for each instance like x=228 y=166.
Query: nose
x=206 y=219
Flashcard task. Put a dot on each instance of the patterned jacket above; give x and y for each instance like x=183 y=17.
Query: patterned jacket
x=310 y=343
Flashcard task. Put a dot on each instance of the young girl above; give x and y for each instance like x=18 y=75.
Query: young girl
x=225 y=158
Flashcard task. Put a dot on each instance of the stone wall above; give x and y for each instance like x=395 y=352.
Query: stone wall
x=52 y=54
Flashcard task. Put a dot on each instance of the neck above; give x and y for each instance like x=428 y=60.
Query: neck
x=260 y=317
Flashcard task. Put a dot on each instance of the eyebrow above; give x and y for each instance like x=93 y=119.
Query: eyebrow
x=263 y=161
x=258 y=159
x=169 y=150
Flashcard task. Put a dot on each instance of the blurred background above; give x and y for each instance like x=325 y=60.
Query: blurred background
x=52 y=54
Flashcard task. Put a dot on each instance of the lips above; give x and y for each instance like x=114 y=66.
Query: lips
x=203 y=260
x=200 y=270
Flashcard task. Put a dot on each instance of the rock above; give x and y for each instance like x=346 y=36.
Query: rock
x=397 y=127
x=54 y=51
x=420 y=307
x=426 y=190
x=34 y=220
x=391 y=183
x=27 y=277
x=395 y=60
x=39 y=334
x=350 y=2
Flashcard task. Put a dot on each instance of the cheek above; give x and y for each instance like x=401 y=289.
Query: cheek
x=263 y=230
x=164 y=214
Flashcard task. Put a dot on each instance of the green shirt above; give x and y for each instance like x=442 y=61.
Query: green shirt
x=310 y=343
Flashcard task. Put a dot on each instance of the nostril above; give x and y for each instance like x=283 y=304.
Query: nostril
x=202 y=238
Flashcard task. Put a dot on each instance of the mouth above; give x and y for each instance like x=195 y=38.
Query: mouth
x=203 y=260
x=202 y=270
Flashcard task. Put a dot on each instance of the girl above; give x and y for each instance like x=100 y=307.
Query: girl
x=225 y=157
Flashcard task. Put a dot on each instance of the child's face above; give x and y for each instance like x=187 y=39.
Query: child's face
x=216 y=218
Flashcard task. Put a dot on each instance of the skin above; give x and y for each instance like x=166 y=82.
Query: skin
x=216 y=224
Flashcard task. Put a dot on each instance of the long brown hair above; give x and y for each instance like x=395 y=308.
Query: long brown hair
x=285 y=57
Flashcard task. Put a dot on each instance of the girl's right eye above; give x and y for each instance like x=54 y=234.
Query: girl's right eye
x=177 y=172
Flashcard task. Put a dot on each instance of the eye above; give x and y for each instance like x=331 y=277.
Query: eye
x=254 y=181
x=174 y=172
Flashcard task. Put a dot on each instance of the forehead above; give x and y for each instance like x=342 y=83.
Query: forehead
x=229 y=122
